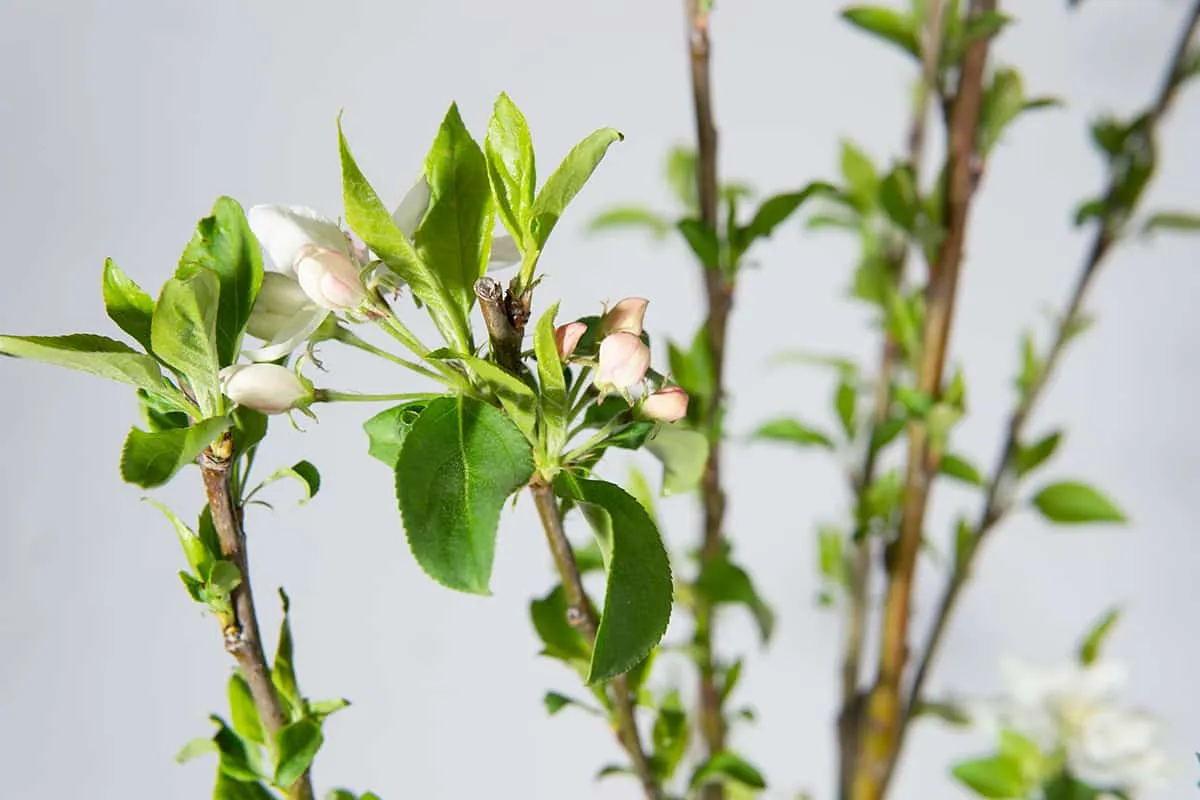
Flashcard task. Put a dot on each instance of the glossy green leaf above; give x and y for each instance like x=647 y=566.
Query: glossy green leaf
x=249 y=428
x=367 y=217
x=552 y=383
x=511 y=167
x=634 y=217
x=703 y=241
x=1070 y=502
x=638 y=593
x=1029 y=457
x=460 y=463
x=559 y=638
x=223 y=578
x=184 y=334
x=297 y=744
x=1089 y=648
x=566 y=181
x=151 y=459
x=727 y=766
x=320 y=709
x=959 y=468
x=683 y=454
x=519 y=401
x=887 y=24
x=158 y=413
x=126 y=304
x=458 y=225
x=304 y=473
x=228 y=788
x=240 y=759
x=793 y=431
x=387 y=430
x=198 y=556
x=283 y=670
x=992 y=777
x=195 y=748
x=225 y=246
x=243 y=712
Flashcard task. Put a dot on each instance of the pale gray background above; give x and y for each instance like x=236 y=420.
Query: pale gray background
x=123 y=120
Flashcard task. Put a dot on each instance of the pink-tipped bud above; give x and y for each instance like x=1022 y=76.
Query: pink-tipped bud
x=668 y=404
x=566 y=338
x=330 y=279
x=268 y=388
x=626 y=316
x=624 y=359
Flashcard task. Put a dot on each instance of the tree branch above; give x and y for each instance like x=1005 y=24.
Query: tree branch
x=242 y=638
x=884 y=709
x=504 y=335
x=582 y=615
x=998 y=497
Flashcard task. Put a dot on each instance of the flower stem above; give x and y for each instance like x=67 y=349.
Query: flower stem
x=331 y=396
x=348 y=337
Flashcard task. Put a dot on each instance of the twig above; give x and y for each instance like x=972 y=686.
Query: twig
x=582 y=615
x=997 y=499
x=504 y=335
x=719 y=288
x=884 y=709
x=242 y=638
x=850 y=714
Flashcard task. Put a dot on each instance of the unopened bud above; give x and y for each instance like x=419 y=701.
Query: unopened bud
x=626 y=316
x=624 y=359
x=666 y=405
x=268 y=388
x=566 y=338
x=330 y=279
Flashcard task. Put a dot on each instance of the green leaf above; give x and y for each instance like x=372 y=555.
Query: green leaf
x=959 y=468
x=727 y=766
x=196 y=748
x=367 y=217
x=899 y=198
x=845 y=402
x=1180 y=221
x=1071 y=502
x=681 y=176
x=461 y=461
x=724 y=583
x=127 y=305
x=283 y=671
x=683 y=454
x=1089 y=648
x=95 y=355
x=703 y=241
x=198 y=556
x=303 y=472
x=240 y=759
x=320 y=709
x=566 y=181
x=387 y=430
x=184 y=334
x=993 y=777
x=243 y=711
x=223 y=578
x=794 y=431
x=225 y=246
x=775 y=210
x=1030 y=457
x=1003 y=100
x=249 y=428
x=631 y=217
x=297 y=745
x=831 y=555
x=228 y=788
x=949 y=713
x=151 y=459
x=457 y=228
x=511 y=167
x=158 y=413
x=518 y=400
x=561 y=640
x=670 y=735
x=860 y=175
x=638 y=592
x=552 y=383
x=887 y=24
x=555 y=702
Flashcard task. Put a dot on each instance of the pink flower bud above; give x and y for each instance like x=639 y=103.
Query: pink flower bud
x=624 y=359
x=268 y=388
x=566 y=338
x=666 y=405
x=626 y=315
x=330 y=279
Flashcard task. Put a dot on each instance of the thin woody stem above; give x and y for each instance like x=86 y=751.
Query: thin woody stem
x=997 y=500
x=582 y=615
x=242 y=638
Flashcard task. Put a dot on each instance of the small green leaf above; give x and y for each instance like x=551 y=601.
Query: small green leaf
x=1071 y=502
x=722 y=582
x=297 y=745
x=638 y=593
x=899 y=198
x=831 y=555
x=561 y=640
x=510 y=166
x=888 y=24
x=228 y=788
x=127 y=305
x=184 y=334
x=151 y=459
x=775 y=210
x=681 y=176
x=703 y=241
x=860 y=175
x=631 y=217
x=243 y=711
x=1030 y=457
x=196 y=748
x=304 y=472
x=566 y=181
x=949 y=713
x=457 y=228
x=283 y=671
x=794 y=431
x=249 y=428
x=158 y=413
x=992 y=777
x=1089 y=648
x=387 y=430
x=959 y=468
x=224 y=246
x=223 y=578
x=845 y=401
x=240 y=759
x=519 y=401
x=683 y=454
x=199 y=557
x=1179 y=221
x=320 y=709
x=727 y=766
x=555 y=702
x=552 y=383
x=670 y=735
x=461 y=461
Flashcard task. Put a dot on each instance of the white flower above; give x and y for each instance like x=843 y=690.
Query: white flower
x=1074 y=706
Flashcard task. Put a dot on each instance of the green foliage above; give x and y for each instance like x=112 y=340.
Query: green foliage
x=793 y=431
x=959 y=468
x=553 y=384
x=560 y=639
x=683 y=454
x=184 y=334
x=126 y=304
x=151 y=459
x=1029 y=457
x=669 y=736
x=566 y=181
x=1071 y=502
x=1003 y=101
x=511 y=168
x=722 y=582
x=303 y=472
x=727 y=766
x=888 y=24
x=1089 y=648
x=387 y=430
x=297 y=744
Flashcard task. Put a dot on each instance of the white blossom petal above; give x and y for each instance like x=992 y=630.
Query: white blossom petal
x=412 y=208
x=286 y=231
x=290 y=336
